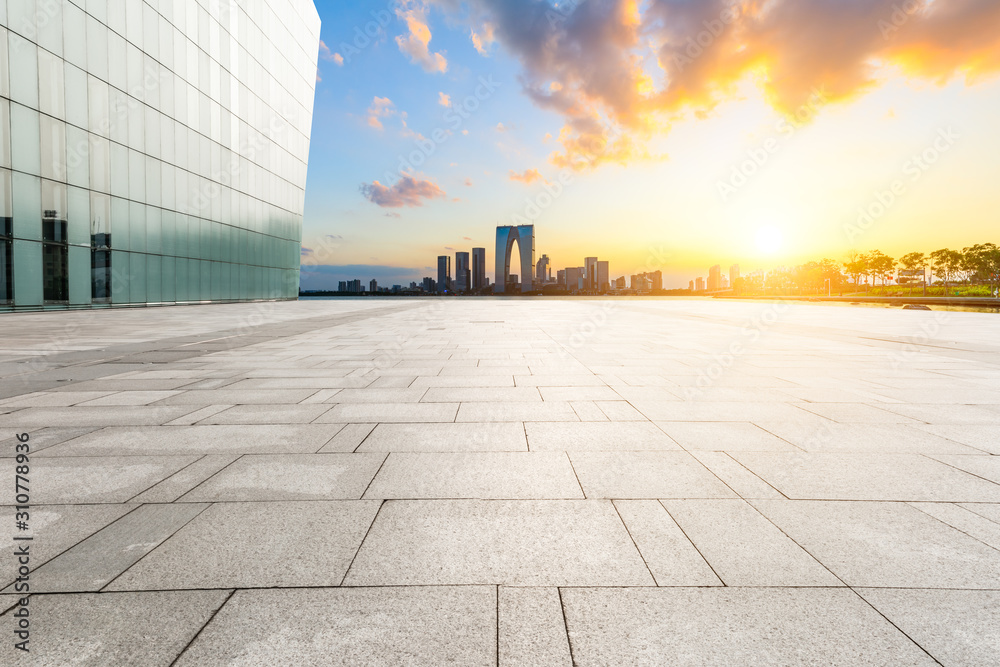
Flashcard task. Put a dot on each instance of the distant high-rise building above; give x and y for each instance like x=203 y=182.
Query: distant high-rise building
x=725 y=282
x=463 y=276
x=734 y=273
x=601 y=283
x=372 y=285
x=641 y=283
x=561 y=277
x=444 y=273
x=620 y=282
x=342 y=286
x=590 y=273
x=699 y=284
x=429 y=285
x=656 y=277
x=354 y=286
x=543 y=273
x=479 y=268
x=690 y=285
x=715 y=278
x=575 y=278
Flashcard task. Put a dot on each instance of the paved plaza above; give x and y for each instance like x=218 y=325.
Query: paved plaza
x=506 y=482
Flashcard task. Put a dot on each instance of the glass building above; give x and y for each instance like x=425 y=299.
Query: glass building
x=153 y=151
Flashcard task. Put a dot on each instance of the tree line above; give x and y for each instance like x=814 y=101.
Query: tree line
x=975 y=265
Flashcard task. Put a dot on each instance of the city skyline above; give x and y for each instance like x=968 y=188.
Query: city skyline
x=817 y=151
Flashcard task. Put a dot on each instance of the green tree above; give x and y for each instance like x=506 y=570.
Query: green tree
x=880 y=265
x=946 y=264
x=982 y=262
x=856 y=266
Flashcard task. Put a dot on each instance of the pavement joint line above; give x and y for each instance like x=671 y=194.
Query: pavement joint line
x=740 y=464
x=180 y=498
x=652 y=576
x=569 y=639
x=916 y=505
x=899 y=629
x=691 y=542
x=372 y=480
x=160 y=481
x=211 y=618
x=363 y=540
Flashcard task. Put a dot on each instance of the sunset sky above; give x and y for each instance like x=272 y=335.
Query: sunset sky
x=676 y=134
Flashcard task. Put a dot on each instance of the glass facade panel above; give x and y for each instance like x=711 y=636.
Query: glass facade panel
x=131 y=112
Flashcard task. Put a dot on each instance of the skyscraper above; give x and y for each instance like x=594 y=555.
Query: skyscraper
x=590 y=273
x=602 y=282
x=444 y=274
x=734 y=275
x=715 y=278
x=373 y=286
x=657 y=279
x=575 y=280
x=543 y=273
x=463 y=276
x=699 y=284
x=478 y=268
x=159 y=150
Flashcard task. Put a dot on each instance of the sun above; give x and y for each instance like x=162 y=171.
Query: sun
x=769 y=240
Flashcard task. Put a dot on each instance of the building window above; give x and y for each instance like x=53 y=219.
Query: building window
x=55 y=258
x=100 y=248
x=6 y=261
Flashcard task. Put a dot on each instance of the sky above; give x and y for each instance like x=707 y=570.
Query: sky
x=660 y=135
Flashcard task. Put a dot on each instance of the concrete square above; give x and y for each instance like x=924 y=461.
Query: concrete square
x=511 y=475
x=257 y=545
x=596 y=437
x=732 y=626
x=352 y=626
x=510 y=542
x=646 y=475
x=290 y=477
x=499 y=436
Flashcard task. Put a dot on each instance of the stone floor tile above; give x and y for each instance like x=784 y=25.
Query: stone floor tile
x=901 y=477
x=596 y=436
x=497 y=436
x=724 y=436
x=532 y=632
x=267 y=414
x=732 y=626
x=646 y=475
x=257 y=545
x=334 y=476
x=352 y=626
x=885 y=544
x=99 y=479
x=509 y=542
x=524 y=411
x=670 y=556
x=484 y=475
x=390 y=412
x=743 y=547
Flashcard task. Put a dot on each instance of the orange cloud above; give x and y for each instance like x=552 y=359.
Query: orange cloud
x=619 y=71
x=407 y=191
x=444 y=100
x=528 y=177
x=381 y=107
x=416 y=43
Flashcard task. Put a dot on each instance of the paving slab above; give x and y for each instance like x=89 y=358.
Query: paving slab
x=596 y=437
x=735 y=475
x=901 y=477
x=965 y=520
x=955 y=627
x=257 y=545
x=668 y=553
x=99 y=479
x=522 y=411
x=509 y=542
x=81 y=417
x=93 y=563
x=499 y=436
x=531 y=629
x=724 y=436
x=56 y=528
x=254 y=477
x=982 y=437
x=267 y=414
x=352 y=626
x=732 y=626
x=743 y=547
x=646 y=475
x=877 y=544
x=96 y=629
x=865 y=439
x=499 y=475
x=986 y=467
x=200 y=440
x=389 y=412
